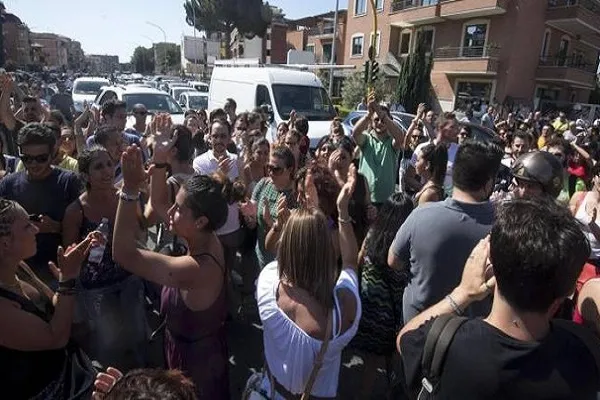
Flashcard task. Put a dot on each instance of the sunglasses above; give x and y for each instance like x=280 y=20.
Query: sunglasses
x=274 y=169
x=40 y=158
x=142 y=113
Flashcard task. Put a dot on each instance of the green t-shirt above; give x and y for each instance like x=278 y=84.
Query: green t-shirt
x=377 y=163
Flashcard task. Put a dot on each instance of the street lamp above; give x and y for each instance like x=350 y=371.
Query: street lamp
x=333 y=47
x=164 y=37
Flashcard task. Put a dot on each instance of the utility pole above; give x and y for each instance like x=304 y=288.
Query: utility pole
x=333 y=46
x=165 y=40
x=372 y=49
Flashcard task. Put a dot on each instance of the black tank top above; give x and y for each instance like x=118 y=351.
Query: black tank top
x=24 y=374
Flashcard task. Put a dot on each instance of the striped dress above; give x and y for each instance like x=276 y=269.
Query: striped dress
x=381 y=290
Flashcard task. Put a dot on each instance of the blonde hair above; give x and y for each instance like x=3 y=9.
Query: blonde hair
x=306 y=255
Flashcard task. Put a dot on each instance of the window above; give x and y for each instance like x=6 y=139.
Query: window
x=268 y=53
x=563 y=50
x=360 y=7
x=327 y=48
x=474 y=37
x=428 y=35
x=154 y=103
x=545 y=44
x=309 y=101
x=379 y=5
x=405 y=43
x=357 y=45
x=377 y=42
x=262 y=96
x=310 y=47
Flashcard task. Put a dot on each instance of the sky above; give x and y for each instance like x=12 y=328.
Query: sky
x=116 y=27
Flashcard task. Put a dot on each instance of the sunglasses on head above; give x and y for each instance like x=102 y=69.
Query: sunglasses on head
x=40 y=158
x=274 y=169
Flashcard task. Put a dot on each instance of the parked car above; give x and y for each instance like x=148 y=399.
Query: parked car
x=155 y=101
x=176 y=91
x=403 y=120
x=193 y=100
x=85 y=90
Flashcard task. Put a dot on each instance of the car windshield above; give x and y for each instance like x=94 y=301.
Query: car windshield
x=309 y=101
x=198 y=102
x=88 y=87
x=154 y=102
x=177 y=92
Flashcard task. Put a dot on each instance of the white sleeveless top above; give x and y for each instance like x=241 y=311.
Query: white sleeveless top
x=582 y=216
x=289 y=351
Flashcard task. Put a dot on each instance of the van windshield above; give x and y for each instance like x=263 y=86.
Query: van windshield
x=308 y=101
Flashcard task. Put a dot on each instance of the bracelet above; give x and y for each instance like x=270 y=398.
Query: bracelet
x=161 y=165
x=344 y=221
x=129 y=197
x=69 y=284
x=66 y=292
x=454 y=306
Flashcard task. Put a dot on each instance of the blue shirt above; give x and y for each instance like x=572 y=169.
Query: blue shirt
x=49 y=196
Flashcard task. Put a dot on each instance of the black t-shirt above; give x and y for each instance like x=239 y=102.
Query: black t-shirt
x=485 y=363
x=49 y=196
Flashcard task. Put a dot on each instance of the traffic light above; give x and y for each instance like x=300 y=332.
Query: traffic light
x=366 y=71
x=374 y=71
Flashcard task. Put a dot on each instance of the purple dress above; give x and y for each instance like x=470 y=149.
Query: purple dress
x=195 y=342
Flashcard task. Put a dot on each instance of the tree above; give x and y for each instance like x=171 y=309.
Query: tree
x=355 y=89
x=250 y=17
x=174 y=58
x=414 y=80
x=142 y=60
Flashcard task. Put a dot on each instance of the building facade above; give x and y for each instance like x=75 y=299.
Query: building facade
x=54 y=48
x=316 y=34
x=102 y=64
x=500 y=51
x=17 y=45
x=198 y=54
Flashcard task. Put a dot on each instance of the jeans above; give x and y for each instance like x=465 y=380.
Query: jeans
x=110 y=324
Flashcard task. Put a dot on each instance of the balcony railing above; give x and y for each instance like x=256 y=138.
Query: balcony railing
x=568 y=62
x=321 y=30
x=400 y=5
x=467 y=52
x=589 y=5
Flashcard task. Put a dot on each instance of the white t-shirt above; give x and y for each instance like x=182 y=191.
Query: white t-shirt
x=207 y=164
x=452 y=149
x=289 y=351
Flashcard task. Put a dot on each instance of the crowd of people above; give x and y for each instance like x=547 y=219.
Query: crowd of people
x=455 y=265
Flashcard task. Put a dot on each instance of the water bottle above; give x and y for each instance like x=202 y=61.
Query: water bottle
x=97 y=252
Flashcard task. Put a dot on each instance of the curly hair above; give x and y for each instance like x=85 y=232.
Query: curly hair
x=153 y=384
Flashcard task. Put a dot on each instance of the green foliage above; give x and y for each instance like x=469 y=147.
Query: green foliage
x=415 y=78
x=355 y=89
x=142 y=60
x=174 y=58
x=250 y=17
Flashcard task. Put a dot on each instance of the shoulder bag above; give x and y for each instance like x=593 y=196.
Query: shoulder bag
x=253 y=390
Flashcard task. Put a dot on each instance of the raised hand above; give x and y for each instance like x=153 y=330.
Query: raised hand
x=70 y=260
x=132 y=167
x=249 y=210
x=283 y=212
x=266 y=214
x=421 y=110
x=225 y=164
x=310 y=191
x=163 y=145
x=164 y=124
x=474 y=282
x=104 y=382
x=347 y=190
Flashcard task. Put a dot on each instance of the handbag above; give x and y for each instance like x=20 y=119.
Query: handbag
x=253 y=391
x=78 y=374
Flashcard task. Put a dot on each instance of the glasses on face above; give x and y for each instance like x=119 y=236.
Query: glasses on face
x=274 y=169
x=141 y=113
x=40 y=158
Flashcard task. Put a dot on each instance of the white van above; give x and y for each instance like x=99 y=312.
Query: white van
x=199 y=86
x=86 y=90
x=283 y=89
